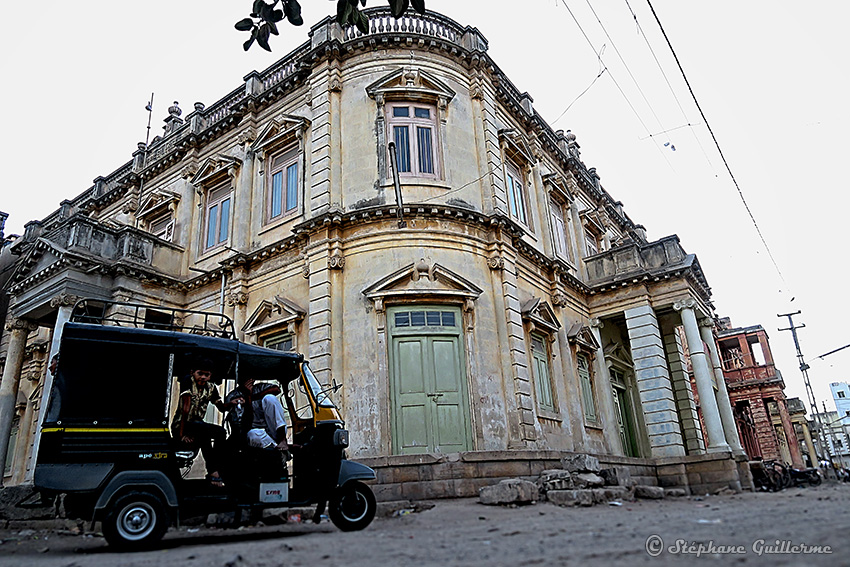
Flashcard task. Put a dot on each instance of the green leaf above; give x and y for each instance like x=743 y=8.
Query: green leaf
x=273 y=28
x=258 y=5
x=418 y=5
x=277 y=15
x=397 y=7
x=292 y=9
x=363 y=22
x=245 y=25
x=248 y=43
x=362 y=2
x=266 y=12
x=343 y=11
x=263 y=37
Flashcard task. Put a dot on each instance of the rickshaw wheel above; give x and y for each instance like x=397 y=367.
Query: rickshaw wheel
x=352 y=506
x=135 y=520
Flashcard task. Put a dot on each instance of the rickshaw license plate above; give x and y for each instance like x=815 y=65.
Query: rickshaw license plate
x=274 y=492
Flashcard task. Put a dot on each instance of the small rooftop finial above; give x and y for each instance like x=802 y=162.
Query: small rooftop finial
x=174 y=110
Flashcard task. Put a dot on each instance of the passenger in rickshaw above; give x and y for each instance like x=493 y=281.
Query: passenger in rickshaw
x=188 y=426
x=268 y=427
x=240 y=417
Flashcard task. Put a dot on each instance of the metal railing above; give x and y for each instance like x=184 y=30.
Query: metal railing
x=141 y=316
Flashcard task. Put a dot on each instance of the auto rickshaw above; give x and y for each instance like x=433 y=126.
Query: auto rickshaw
x=106 y=444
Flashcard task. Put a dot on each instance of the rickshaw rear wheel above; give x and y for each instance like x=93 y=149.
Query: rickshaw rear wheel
x=352 y=507
x=135 y=520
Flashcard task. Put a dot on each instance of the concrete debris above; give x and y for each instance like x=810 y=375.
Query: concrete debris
x=570 y=497
x=649 y=492
x=617 y=476
x=580 y=463
x=509 y=491
x=588 y=480
x=675 y=492
x=555 y=479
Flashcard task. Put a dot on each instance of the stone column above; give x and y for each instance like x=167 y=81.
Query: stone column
x=19 y=328
x=606 y=394
x=683 y=393
x=702 y=376
x=65 y=305
x=653 y=382
x=790 y=435
x=724 y=405
x=807 y=435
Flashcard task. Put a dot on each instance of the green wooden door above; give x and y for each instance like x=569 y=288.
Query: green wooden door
x=429 y=403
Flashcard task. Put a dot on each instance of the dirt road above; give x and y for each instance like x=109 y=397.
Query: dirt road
x=744 y=529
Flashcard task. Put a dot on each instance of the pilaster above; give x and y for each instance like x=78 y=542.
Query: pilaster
x=653 y=381
x=605 y=393
x=684 y=395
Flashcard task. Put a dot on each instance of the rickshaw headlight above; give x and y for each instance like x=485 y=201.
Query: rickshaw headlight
x=341 y=438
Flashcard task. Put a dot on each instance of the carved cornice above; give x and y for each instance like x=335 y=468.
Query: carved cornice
x=64 y=300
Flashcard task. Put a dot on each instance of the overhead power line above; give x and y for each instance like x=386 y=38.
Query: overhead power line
x=716 y=143
x=617 y=84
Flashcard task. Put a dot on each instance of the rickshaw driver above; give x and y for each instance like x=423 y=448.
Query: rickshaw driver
x=189 y=427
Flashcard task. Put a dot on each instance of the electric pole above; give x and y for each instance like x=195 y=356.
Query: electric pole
x=804 y=368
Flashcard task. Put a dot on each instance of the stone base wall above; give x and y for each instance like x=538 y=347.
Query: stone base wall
x=459 y=475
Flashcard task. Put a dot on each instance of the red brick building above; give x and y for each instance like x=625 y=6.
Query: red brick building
x=756 y=393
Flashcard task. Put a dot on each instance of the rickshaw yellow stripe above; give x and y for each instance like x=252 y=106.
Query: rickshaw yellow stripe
x=102 y=430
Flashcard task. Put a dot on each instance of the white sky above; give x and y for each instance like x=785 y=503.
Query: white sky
x=770 y=75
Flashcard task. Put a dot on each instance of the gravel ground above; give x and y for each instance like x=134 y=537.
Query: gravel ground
x=464 y=532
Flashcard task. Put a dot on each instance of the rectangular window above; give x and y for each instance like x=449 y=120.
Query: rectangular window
x=516 y=192
x=284 y=342
x=591 y=242
x=586 y=387
x=413 y=128
x=282 y=193
x=218 y=216
x=540 y=367
x=840 y=394
x=559 y=231
x=162 y=227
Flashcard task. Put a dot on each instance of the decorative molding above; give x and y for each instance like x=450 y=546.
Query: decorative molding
x=496 y=263
x=559 y=300
x=63 y=299
x=423 y=280
x=336 y=261
x=688 y=303
x=581 y=336
x=20 y=324
x=274 y=314
x=235 y=298
x=597 y=323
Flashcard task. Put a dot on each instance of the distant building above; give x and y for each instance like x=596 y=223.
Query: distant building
x=756 y=392
x=836 y=436
x=841 y=397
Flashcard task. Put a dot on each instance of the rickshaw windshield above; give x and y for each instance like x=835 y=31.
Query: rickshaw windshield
x=319 y=394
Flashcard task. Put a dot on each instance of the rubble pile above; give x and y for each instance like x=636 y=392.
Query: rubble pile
x=581 y=482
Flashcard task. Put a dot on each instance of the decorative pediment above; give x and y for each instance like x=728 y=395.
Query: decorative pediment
x=517 y=144
x=216 y=169
x=582 y=336
x=557 y=185
x=156 y=202
x=410 y=83
x=617 y=353
x=277 y=313
x=540 y=315
x=282 y=129
x=422 y=280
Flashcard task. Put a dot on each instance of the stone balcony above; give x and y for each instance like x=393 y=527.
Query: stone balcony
x=636 y=260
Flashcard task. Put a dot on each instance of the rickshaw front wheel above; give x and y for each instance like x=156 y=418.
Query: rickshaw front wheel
x=135 y=520
x=352 y=507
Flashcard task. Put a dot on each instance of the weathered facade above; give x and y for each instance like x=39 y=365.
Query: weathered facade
x=756 y=391
x=518 y=313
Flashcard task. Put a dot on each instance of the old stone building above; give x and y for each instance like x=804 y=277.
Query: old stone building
x=756 y=391
x=516 y=314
